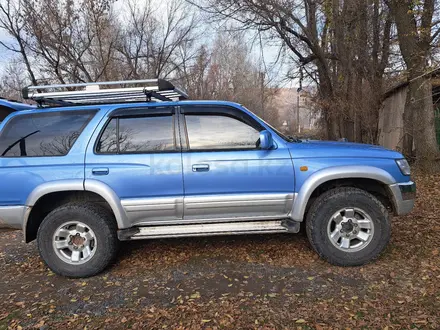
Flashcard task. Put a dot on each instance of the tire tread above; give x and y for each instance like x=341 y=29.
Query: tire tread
x=321 y=248
x=108 y=227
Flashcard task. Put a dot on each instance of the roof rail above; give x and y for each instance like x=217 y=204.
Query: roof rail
x=104 y=92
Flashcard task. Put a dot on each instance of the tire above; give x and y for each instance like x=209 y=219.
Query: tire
x=96 y=232
x=325 y=222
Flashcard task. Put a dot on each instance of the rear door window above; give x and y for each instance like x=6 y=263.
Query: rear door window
x=146 y=134
x=43 y=134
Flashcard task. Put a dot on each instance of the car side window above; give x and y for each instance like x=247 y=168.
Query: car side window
x=138 y=135
x=219 y=132
x=43 y=134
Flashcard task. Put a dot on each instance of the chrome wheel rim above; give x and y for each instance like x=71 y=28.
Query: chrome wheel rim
x=74 y=242
x=350 y=229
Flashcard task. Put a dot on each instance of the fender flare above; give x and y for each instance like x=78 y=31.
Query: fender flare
x=53 y=186
x=112 y=199
x=334 y=173
x=94 y=186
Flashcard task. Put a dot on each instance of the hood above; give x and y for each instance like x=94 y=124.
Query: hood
x=312 y=149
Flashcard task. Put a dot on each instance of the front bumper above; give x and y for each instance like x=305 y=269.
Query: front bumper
x=404 y=197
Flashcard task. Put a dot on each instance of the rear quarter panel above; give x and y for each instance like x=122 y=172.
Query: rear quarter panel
x=19 y=176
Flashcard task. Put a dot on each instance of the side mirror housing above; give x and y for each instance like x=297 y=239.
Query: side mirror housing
x=266 y=141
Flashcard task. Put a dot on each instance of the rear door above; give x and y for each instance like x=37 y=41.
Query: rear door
x=137 y=153
x=226 y=175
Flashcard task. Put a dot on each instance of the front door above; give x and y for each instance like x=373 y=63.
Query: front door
x=226 y=175
x=136 y=152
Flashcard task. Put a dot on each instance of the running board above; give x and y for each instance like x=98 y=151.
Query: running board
x=210 y=229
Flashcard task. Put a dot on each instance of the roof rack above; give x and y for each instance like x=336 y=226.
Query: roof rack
x=105 y=92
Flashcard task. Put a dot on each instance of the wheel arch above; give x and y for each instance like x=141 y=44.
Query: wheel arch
x=51 y=195
x=339 y=174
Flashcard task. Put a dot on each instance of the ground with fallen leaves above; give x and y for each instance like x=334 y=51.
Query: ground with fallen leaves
x=265 y=282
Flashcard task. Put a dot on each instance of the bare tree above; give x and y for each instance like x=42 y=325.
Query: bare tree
x=228 y=72
x=110 y=141
x=358 y=72
x=328 y=41
x=13 y=22
x=12 y=80
x=152 y=47
x=60 y=145
x=80 y=41
x=193 y=75
x=71 y=41
x=416 y=32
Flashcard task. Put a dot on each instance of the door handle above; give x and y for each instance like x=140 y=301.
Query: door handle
x=200 y=168
x=100 y=171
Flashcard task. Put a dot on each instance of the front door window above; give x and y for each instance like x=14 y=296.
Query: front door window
x=216 y=132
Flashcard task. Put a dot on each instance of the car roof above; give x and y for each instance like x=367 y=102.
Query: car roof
x=14 y=105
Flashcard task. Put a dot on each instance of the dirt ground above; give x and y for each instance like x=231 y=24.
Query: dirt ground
x=241 y=282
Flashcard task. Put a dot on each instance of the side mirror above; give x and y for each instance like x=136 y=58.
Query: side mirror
x=266 y=141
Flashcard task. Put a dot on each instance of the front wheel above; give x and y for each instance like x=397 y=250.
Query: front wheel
x=78 y=239
x=348 y=226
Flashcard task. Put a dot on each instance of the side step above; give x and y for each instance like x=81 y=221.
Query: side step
x=210 y=229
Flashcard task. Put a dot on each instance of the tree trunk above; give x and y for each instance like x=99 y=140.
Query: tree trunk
x=357 y=125
x=408 y=132
x=420 y=104
x=415 y=46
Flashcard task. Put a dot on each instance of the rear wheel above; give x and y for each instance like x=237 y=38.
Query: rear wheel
x=348 y=226
x=78 y=239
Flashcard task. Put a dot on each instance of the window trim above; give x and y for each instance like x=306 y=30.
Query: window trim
x=141 y=114
x=217 y=111
x=143 y=111
x=92 y=113
x=223 y=110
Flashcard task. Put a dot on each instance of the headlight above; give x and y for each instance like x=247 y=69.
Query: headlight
x=404 y=166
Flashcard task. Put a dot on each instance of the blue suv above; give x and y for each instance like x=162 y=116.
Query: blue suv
x=95 y=164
